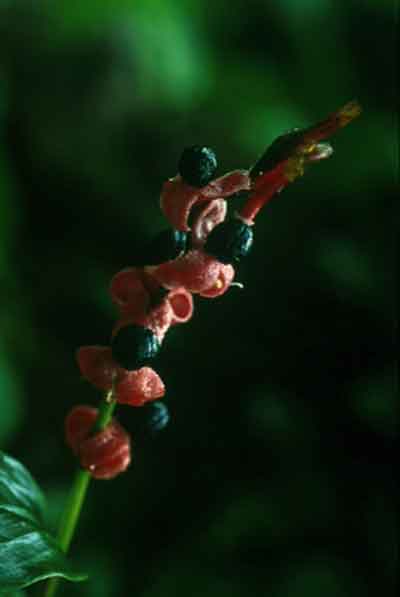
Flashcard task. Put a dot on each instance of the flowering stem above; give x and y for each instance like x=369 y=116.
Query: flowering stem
x=77 y=496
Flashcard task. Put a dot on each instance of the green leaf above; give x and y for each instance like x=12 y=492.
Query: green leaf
x=18 y=488
x=28 y=552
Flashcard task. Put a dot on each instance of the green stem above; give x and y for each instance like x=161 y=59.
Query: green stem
x=77 y=496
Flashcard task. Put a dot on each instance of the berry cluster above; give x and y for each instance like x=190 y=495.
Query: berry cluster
x=196 y=256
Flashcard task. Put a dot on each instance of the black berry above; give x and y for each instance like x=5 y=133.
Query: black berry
x=230 y=241
x=167 y=245
x=157 y=416
x=197 y=165
x=134 y=347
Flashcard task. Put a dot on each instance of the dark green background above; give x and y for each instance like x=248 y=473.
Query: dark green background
x=276 y=474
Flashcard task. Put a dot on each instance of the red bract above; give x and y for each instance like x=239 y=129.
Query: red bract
x=104 y=454
x=138 y=387
x=78 y=424
x=97 y=366
x=224 y=280
x=181 y=302
x=178 y=198
x=129 y=292
x=196 y=271
x=207 y=217
x=158 y=320
x=175 y=307
x=133 y=290
x=130 y=387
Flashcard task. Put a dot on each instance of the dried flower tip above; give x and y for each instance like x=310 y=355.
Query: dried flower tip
x=303 y=142
x=327 y=127
x=349 y=111
x=319 y=151
x=284 y=160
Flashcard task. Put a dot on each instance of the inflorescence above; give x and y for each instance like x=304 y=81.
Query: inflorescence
x=196 y=256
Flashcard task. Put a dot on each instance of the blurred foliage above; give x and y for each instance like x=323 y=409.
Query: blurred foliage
x=276 y=474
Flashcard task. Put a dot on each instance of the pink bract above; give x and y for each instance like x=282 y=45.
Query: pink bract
x=175 y=307
x=104 y=454
x=130 y=387
x=178 y=198
x=130 y=291
x=181 y=302
x=107 y=453
x=224 y=280
x=209 y=215
x=196 y=271
x=97 y=366
x=140 y=386
x=77 y=425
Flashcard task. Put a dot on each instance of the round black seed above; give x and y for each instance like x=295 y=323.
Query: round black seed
x=167 y=245
x=157 y=416
x=230 y=241
x=197 y=165
x=134 y=347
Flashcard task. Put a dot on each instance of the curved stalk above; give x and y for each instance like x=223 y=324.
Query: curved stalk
x=77 y=495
